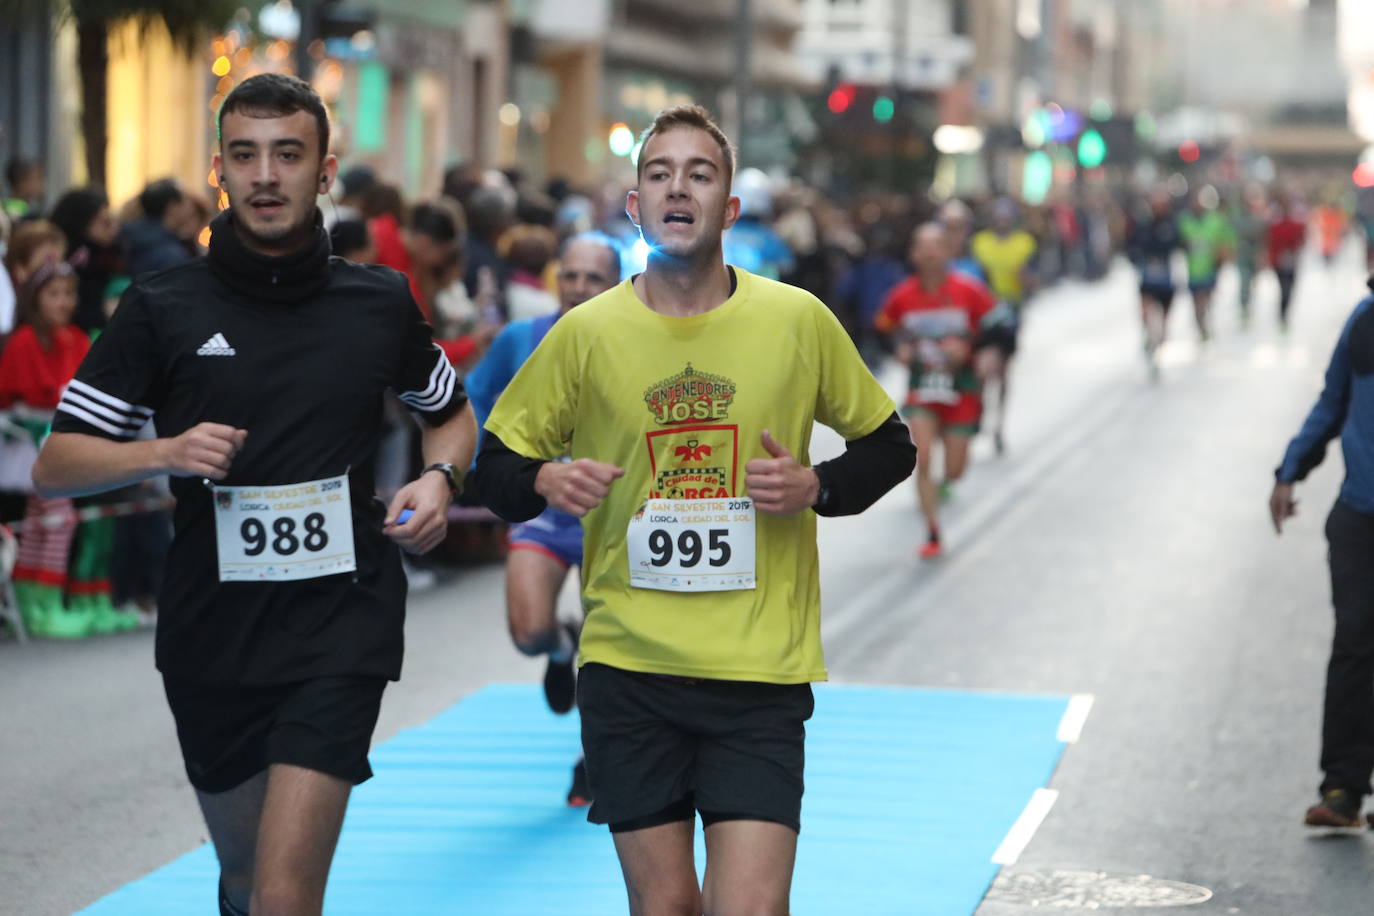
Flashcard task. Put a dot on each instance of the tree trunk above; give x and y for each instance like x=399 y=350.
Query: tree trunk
x=93 y=61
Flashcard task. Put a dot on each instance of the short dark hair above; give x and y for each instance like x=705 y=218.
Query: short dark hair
x=693 y=116
x=158 y=196
x=16 y=170
x=433 y=221
x=277 y=95
x=381 y=199
x=349 y=236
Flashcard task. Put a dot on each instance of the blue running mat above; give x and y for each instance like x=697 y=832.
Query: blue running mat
x=908 y=794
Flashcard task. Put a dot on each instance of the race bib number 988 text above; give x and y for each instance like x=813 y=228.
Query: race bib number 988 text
x=277 y=534
x=692 y=545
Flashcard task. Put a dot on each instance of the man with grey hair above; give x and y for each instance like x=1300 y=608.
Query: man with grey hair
x=545 y=548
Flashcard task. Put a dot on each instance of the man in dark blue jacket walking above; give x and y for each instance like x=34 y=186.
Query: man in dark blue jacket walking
x=1345 y=407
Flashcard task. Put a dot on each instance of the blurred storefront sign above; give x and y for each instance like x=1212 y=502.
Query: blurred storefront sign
x=561 y=21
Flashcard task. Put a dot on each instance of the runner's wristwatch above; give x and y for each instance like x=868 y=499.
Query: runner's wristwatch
x=455 y=482
x=823 y=492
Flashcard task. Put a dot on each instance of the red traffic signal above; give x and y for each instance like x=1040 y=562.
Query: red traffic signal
x=841 y=97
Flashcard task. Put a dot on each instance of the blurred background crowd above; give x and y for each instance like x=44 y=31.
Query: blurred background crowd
x=476 y=135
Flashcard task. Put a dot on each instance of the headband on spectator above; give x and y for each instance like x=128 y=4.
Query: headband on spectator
x=49 y=271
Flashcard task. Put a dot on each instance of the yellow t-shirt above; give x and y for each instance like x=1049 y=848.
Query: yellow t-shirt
x=1004 y=259
x=680 y=403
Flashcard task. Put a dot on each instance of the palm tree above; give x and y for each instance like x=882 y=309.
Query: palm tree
x=187 y=21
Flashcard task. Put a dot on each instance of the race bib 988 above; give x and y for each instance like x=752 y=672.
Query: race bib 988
x=276 y=534
x=692 y=545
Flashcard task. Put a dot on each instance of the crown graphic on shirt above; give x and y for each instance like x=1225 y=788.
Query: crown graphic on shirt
x=216 y=346
x=691 y=395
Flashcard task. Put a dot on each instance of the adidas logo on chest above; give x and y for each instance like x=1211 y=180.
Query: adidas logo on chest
x=216 y=346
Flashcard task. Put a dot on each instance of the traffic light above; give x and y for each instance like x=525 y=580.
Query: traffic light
x=883 y=109
x=621 y=140
x=1092 y=149
x=841 y=97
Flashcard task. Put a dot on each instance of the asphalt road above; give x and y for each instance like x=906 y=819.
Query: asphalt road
x=1120 y=549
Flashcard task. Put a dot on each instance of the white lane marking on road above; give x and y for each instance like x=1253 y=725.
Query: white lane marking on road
x=1021 y=832
x=1075 y=715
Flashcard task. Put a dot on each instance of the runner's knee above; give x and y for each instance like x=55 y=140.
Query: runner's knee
x=684 y=899
x=531 y=637
x=285 y=896
x=747 y=908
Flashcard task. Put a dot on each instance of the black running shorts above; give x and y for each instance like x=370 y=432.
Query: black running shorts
x=230 y=734
x=660 y=748
x=1002 y=337
x=1164 y=295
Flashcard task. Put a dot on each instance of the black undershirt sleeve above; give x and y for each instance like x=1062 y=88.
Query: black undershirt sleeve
x=870 y=466
x=503 y=481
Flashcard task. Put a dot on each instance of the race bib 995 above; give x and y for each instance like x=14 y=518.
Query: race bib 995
x=692 y=545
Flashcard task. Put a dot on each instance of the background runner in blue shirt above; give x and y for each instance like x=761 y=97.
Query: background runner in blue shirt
x=543 y=549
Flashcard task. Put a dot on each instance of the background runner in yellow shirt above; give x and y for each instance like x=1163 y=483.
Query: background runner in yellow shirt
x=1007 y=256
x=686 y=397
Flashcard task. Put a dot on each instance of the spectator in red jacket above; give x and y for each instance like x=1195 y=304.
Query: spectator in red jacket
x=1283 y=243
x=38 y=361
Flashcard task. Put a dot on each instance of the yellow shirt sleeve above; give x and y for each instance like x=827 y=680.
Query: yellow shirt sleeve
x=849 y=399
x=535 y=415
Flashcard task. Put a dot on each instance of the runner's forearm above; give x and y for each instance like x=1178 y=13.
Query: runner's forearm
x=452 y=441
x=870 y=466
x=76 y=464
x=503 y=481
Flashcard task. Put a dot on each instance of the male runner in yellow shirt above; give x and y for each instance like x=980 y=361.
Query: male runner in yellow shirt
x=686 y=398
x=1007 y=256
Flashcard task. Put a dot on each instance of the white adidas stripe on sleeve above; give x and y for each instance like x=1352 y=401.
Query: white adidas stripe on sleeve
x=75 y=398
x=82 y=413
x=439 y=389
x=109 y=400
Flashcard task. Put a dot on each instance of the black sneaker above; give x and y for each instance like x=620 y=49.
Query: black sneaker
x=580 y=795
x=1338 y=808
x=560 y=681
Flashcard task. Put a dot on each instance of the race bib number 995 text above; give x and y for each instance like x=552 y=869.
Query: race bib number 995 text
x=692 y=545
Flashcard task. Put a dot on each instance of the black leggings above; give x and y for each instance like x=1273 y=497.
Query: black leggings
x=1286 y=278
x=1348 y=725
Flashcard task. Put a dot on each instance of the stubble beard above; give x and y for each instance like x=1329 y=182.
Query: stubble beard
x=276 y=239
x=693 y=253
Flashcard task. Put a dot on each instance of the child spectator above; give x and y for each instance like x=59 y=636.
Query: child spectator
x=38 y=361
x=34 y=243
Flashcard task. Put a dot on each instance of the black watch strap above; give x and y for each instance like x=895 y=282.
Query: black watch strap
x=455 y=482
x=823 y=493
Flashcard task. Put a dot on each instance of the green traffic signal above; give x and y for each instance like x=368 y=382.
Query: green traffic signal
x=883 y=109
x=1092 y=149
